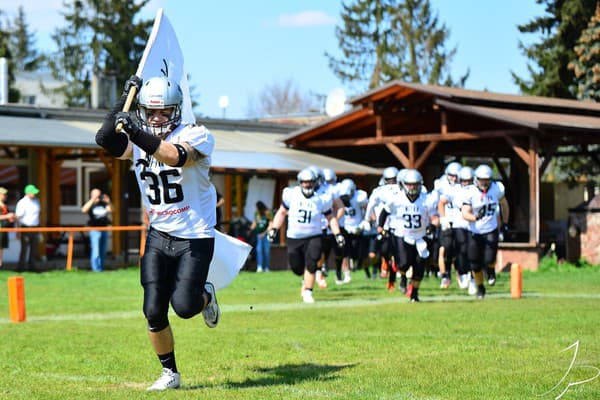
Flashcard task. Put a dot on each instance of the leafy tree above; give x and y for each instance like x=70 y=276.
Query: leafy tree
x=587 y=64
x=22 y=43
x=560 y=28
x=100 y=37
x=281 y=98
x=383 y=40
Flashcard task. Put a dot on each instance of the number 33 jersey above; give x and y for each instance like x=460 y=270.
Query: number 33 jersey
x=179 y=200
x=304 y=214
x=409 y=219
x=487 y=203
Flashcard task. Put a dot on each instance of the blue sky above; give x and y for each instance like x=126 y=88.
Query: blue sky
x=237 y=47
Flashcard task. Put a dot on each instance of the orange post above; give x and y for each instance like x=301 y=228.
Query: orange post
x=516 y=281
x=70 y=251
x=16 y=298
x=142 y=242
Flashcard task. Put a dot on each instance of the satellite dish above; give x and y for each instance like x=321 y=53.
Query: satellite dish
x=223 y=101
x=335 y=102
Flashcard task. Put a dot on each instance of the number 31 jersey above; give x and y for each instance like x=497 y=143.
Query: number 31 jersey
x=304 y=214
x=180 y=201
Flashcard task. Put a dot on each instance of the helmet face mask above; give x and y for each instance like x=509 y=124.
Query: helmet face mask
x=452 y=171
x=307 y=181
x=411 y=182
x=389 y=175
x=465 y=176
x=160 y=93
x=483 y=177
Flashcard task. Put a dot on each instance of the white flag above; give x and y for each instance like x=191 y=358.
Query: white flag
x=162 y=57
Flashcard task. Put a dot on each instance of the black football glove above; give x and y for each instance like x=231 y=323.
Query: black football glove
x=133 y=81
x=381 y=235
x=481 y=213
x=271 y=235
x=129 y=125
x=340 y=241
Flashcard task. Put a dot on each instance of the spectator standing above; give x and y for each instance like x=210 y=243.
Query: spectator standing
x=220 y=202
x=98 y=208
x=5 y=219
x=27 y=214
x=262 y=219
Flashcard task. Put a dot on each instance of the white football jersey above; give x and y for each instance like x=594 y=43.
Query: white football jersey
x=490 y=201
x=304 y=214
x=456 y=197
x=377 y=201
x=179 y=200
x=328 y=191
x=409 y=219
x=445 y=190
x=355 y=212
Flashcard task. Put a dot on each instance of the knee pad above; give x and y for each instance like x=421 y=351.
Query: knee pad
x=157 y=324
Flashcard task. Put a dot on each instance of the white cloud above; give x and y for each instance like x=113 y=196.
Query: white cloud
x=305 y=18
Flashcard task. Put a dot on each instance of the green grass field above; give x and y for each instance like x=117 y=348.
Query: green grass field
x=85 y=338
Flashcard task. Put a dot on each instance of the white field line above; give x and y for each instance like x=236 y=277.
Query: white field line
x=299 y=305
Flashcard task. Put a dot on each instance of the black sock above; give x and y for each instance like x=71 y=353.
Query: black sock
x=168 y=361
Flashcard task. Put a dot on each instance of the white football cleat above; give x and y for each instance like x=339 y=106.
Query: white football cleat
x=472 y=287
x=211 y=312
x=463 y=281
x=167 y=380
x=307 y=296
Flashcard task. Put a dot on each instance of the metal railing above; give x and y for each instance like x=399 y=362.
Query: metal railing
x=72 y=229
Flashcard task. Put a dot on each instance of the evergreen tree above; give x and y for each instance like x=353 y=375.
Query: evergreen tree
x=100 y=37
x=22 y=43
x=560 y=28
x=587 y=64
x=383 y=40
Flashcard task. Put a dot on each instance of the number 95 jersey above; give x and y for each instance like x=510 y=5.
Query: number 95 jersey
x=488 y=203
x=304 y=214
x=179 y=200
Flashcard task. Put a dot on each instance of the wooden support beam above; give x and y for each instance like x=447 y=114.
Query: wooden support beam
x=425 y=155
x=395 y=150
x=418 y=137
x=411 y=154
x=519 y=150
x=227 y=206
x=117 y=203
x=239 y=206
x=444 y=123
x=534 y=191
x=379 y=128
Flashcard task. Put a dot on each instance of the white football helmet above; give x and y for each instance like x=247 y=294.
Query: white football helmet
x=411 y=176
x=466 y=175
x=483 y=177
x=329 y=176
x=160 y=93
x=347 y=188
x=307 y=175
x=452 y=171
x=319 y=175
x=389 y=174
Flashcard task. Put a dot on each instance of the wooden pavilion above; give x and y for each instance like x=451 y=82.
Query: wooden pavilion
x=424 y=127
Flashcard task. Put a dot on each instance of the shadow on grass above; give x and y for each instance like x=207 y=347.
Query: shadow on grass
x=288 y=374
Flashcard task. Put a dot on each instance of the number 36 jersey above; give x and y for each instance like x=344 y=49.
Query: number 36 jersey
x=180 y=201
x=304 y=214
x=488 y=204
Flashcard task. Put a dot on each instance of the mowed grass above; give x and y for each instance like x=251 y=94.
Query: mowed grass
x=85 y=338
